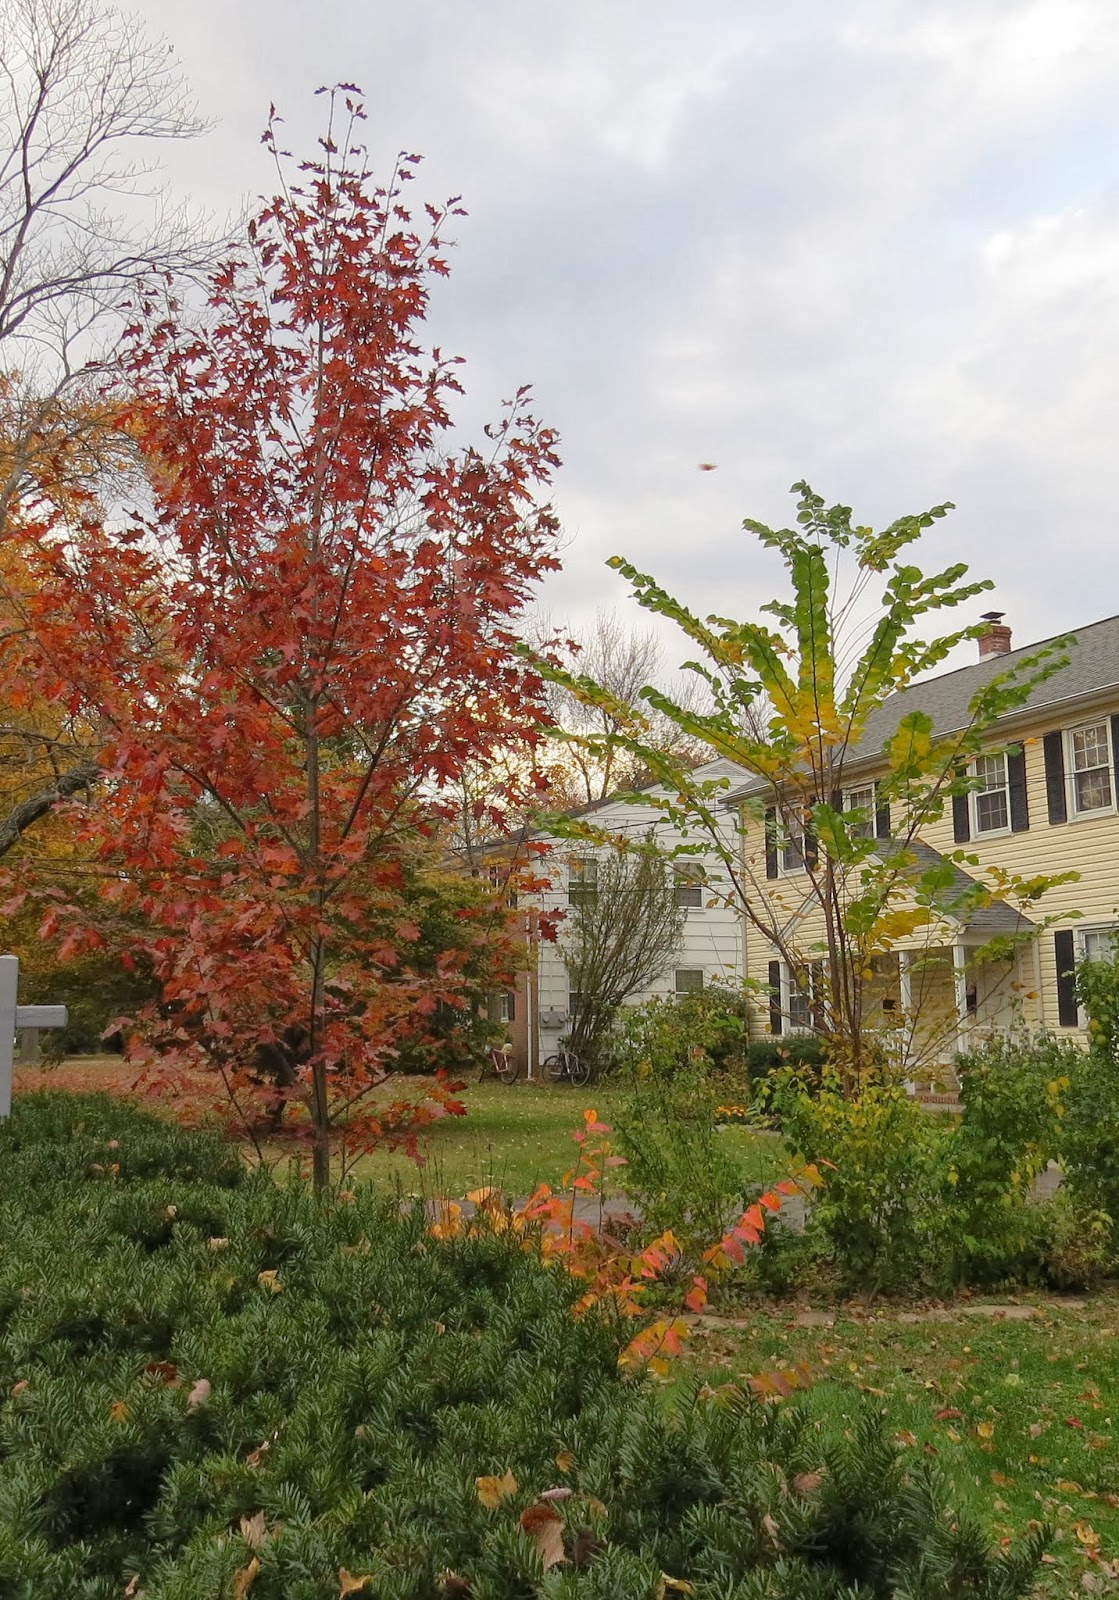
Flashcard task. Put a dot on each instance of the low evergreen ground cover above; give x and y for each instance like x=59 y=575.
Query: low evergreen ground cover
x=1019 y=1410
x=213 y=1386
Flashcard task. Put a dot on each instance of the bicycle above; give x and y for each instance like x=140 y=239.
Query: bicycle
x=566 y=1064
x=505 y=1064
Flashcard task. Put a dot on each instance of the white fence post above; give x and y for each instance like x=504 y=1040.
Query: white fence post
x=13 y=1016
x=9 y=988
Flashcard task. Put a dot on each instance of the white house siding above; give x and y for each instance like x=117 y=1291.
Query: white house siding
x=713 y=935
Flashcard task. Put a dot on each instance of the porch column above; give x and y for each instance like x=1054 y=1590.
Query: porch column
x=959 y=970
x=905 y=982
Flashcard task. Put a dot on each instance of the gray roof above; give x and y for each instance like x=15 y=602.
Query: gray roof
x=1092 y=666
x=988 y=920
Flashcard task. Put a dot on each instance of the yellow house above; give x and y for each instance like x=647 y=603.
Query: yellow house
x=1046 y=802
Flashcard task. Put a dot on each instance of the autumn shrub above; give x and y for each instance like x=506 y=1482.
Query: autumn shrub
x=217 y=1388
x=1013 y=1090
x=879 y=1211
x=674 y=1033
x=678 y=1169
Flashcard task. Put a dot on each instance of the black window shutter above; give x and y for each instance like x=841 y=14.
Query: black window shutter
x=961 y=819
x=775 y=997
x=771 y=842
x=1066 y=978
x=1016 y=782
x=881 y=816
x=1054 y=746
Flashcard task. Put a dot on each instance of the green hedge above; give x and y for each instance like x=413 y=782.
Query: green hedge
x=354 y=1393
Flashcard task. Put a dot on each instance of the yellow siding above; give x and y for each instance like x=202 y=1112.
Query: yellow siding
x=1087 y=845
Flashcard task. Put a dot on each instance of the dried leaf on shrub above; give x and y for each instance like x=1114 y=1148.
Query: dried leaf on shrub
x=133 y=1590
x=492 y=1491
x=166 y=1371
x=200 y=1393
x=564 y=1461
x=254 y=1531
x=118 y=1411
x=807 y=1482
x=270 y=1280
x=243 y=1578
x=350 y=1583
x=773 y=1530
x=455 y=1588
x=18 y=1388
x=667 y=1585
x=545 y=1528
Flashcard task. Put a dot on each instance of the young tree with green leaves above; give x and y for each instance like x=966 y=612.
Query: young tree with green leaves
x=791 y=700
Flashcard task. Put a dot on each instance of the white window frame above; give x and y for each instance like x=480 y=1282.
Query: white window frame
x=977 y=830
x=869 y=828
x=1080 y=938
x=790 y=844
x=789 y=993
x=687 y=888
x=691 y=973
x=582 y=880
x=1076 y=814
x=507 y=1007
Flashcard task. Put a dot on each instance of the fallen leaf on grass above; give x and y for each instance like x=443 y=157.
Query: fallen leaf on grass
x=1036 y=1430
x=244 y=1577
x=948 y=1414
x=906 y=1439
x=492 y=1491
x=545 y=1528
x=1087 y=1535
x=985 y=1430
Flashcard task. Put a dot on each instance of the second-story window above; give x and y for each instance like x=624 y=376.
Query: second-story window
x=582 y=881
x=861 y=799
x=791 y=843
x=990 y=803
x=1089 y=764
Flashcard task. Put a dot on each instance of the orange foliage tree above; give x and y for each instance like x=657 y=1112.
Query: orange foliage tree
x=303 y=642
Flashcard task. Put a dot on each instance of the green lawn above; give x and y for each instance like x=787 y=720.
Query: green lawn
x=1021 y=1415
x=517 y=1136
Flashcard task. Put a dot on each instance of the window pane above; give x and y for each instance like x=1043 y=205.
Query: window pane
x=800 y=1010
x=991 y=811
x=582 y=881
x=1093 y=789
x=861 y=799
x=1089 y=747
x=1098 y=944
x=689 y=980
x=688 y=890
x=991 y=772
x=792 y=850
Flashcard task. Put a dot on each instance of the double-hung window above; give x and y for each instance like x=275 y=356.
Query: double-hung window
x=797 y=1005
x=1096 y=944
x=582 y=881
x=688 y=886
x=861 y=799
x=791 y=842
x=1088 y=758
x=990 y=799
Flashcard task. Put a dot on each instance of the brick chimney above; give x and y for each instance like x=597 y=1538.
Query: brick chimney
x=996 y=640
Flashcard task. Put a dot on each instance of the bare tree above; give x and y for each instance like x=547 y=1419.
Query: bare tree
x=623 y=933
x=622 y=660
x=81 y=92
x=85 y=95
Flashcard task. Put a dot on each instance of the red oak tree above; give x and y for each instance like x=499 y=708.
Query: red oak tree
x=301 y=643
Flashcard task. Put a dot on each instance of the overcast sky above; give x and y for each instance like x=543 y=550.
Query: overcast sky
x=874 y=243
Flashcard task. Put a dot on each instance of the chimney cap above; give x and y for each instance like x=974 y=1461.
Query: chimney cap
x=993 y=616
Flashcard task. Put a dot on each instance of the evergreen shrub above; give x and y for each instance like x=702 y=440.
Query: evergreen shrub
x=212 y=1387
